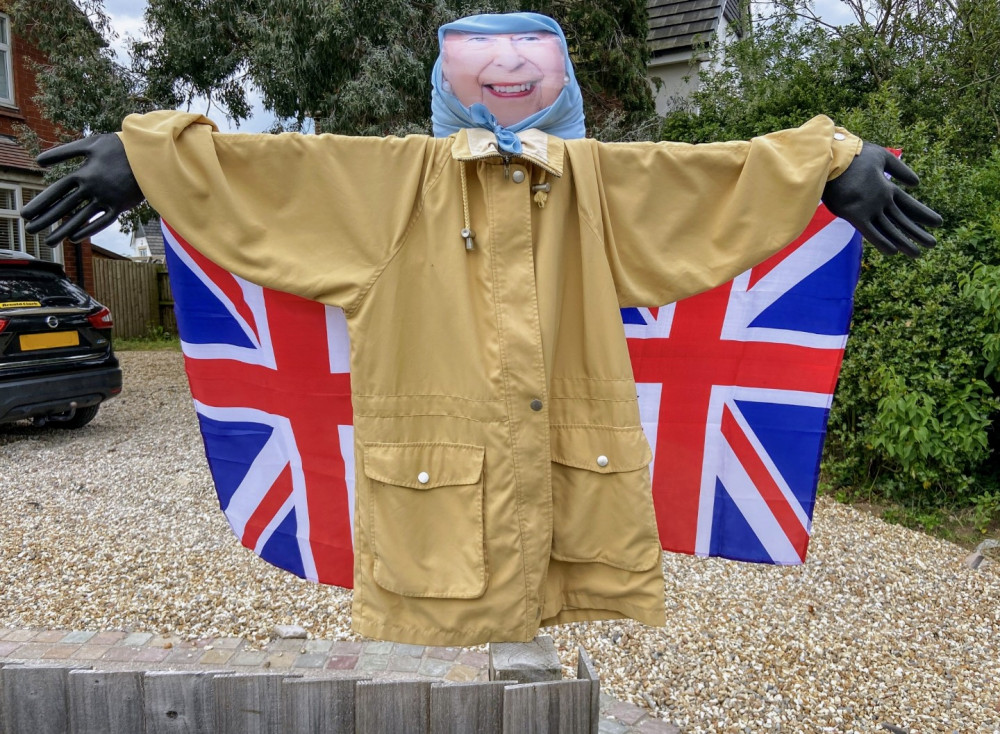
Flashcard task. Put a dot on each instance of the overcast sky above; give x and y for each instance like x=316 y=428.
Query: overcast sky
x=126 y=16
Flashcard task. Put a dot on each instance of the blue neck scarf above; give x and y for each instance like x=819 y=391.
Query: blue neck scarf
x=563 y=118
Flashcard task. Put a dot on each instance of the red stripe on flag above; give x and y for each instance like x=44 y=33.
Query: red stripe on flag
x=765 y=484
x=276 y=496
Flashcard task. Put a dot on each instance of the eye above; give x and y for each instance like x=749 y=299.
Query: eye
x=527 y=38
x=478 y=39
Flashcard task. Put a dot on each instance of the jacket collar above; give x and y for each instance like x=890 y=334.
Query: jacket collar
x=546 y=151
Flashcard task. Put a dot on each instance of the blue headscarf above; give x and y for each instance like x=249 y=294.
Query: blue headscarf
x=563 y=118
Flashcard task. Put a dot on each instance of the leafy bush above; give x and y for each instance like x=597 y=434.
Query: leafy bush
x=913 y=420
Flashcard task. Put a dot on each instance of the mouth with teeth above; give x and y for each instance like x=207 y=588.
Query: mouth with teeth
x=511 y=91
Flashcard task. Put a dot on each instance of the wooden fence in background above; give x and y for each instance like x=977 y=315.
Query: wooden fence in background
x=37 y=699
x=138 y=295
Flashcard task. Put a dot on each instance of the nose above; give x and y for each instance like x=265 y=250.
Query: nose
x=506 y=55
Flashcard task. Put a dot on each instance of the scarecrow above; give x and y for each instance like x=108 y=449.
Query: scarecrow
x=502 y=471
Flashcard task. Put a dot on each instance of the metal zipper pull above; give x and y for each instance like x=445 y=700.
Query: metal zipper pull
x=506 y=166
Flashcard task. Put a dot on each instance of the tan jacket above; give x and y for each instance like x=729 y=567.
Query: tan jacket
x=502 y=470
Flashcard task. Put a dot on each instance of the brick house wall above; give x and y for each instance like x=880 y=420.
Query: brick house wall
x=20 y=177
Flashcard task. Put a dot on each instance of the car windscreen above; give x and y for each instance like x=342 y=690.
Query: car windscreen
x=26 y=288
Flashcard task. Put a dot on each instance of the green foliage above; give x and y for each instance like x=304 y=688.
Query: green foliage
x=914 y=417
x=156 y=338
x=985 y=511
x=913 y=410
x=84 y=88
x=607 y=41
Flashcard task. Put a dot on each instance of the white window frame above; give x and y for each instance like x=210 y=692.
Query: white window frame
x=9 y=70
x=18 y=189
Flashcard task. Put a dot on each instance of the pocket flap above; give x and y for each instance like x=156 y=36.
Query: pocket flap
x=603 y=449
x=424 y=465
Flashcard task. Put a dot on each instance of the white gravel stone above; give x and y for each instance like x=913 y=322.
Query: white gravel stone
x=289 y=632
x=117 y=526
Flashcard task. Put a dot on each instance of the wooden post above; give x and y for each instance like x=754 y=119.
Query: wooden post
x=392 y=707
x=318 y=705
x=34 y=699
x=177 y=702
x=585 y=670
x=470 y=707
x=554 y=707
x=525 y=662
x=248 y=704
x=105 y=702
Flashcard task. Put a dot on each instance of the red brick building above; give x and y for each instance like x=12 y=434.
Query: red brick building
x=20 y=177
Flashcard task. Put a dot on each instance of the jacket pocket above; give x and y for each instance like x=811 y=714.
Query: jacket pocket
x=603 y=503
x=427 y=518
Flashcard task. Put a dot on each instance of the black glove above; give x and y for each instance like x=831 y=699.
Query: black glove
x=886 y=216
x=103 y=187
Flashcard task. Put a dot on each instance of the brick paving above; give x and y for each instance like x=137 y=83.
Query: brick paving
x=113 y=650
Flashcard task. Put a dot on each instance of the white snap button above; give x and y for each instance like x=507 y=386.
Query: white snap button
x=423 y=477
x=602 y=460
x=839 y=136
x=517 y=176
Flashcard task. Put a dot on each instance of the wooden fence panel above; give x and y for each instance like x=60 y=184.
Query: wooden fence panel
x=179 y=702
x=318 y=705
x=470 y=707
x=69 y=699
x=34 y=700
x=248 y=704
x=555 y=707
x=105 y=702
x=392 y=707
x=131 y=291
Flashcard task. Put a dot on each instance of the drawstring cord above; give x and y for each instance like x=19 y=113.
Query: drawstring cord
x=541 y=190
x=467 y=234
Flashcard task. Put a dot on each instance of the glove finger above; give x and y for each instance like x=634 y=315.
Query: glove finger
x=62 y=208
x=916 y=211
x=892 y=233
x=37 y=207
x=68 y=229
x=899 y=170
x=878 y=240
x=920 y=236
x=95 y=226
x=63 y=152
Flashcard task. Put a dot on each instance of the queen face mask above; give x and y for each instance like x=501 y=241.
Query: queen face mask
x=505 y=73
x=514 y=75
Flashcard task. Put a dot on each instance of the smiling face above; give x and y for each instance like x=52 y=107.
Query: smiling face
x=514 y=74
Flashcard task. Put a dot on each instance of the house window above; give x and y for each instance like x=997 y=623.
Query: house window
x=12 y=234
x=6 y=67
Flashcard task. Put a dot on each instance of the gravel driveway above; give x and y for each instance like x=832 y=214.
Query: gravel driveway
x=116 y=526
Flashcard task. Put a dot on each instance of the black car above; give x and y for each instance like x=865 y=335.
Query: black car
x=56 y=361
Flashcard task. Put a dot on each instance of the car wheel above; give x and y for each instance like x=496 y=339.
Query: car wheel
x=82 y=417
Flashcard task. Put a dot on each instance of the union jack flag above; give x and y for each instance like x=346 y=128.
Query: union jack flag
x=269 y=378
x=734 y=390
x=735 y=387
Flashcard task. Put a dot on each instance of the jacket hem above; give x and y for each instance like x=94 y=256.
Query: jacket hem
x=588 y=608
x=423 y=636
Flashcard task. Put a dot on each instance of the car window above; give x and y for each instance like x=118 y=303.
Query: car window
x=29 y=288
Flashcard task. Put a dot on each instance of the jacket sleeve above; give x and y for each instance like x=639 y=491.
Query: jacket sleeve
x=313 y=215
x=679 y=219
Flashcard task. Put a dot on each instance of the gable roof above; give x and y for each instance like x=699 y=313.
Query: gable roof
x=677 y=25
x=154 y=237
